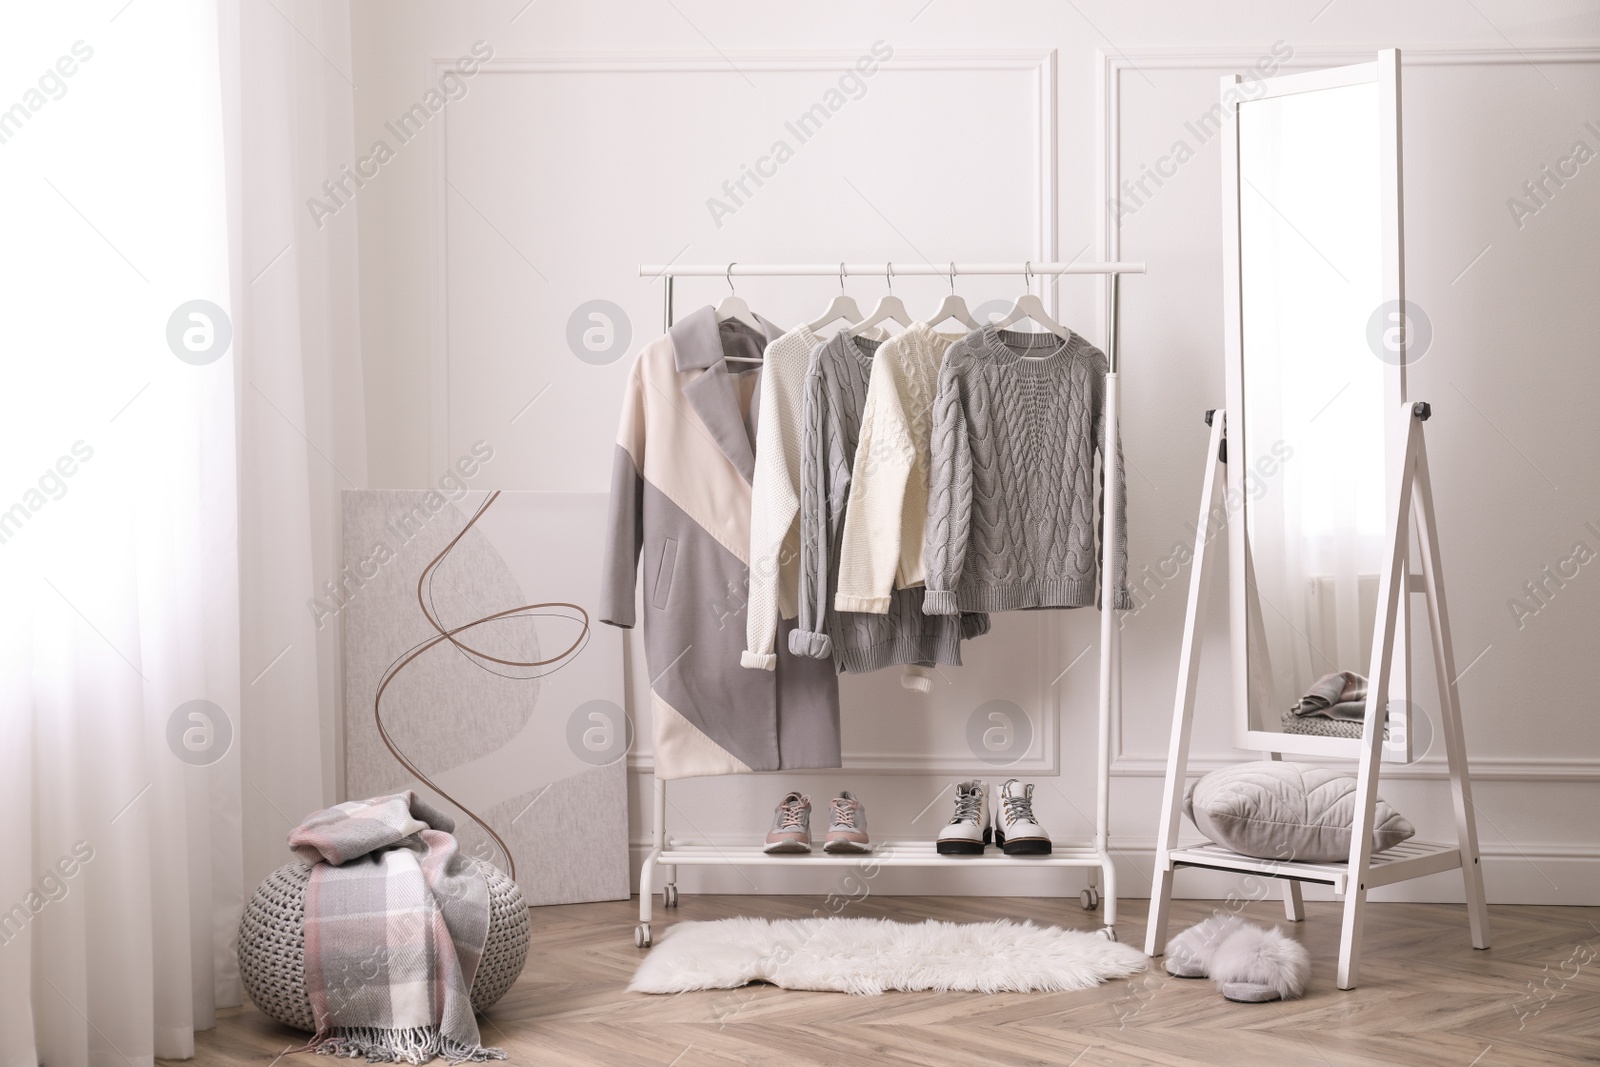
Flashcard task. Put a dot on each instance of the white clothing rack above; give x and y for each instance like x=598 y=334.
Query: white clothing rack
x=1096 y=855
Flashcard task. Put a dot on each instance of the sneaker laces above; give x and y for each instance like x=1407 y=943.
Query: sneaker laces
x=844 y=812
x=967 y=804
x=792 y=815
x=1018 y=808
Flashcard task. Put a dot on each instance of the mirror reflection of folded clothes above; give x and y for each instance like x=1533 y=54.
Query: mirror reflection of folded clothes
x=1341 y=696
x=1317 y=726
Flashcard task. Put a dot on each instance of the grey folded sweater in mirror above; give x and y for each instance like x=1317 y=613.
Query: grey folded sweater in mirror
x=1341 y=695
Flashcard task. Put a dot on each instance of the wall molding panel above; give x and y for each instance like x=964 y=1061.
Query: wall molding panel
x=1039 y=96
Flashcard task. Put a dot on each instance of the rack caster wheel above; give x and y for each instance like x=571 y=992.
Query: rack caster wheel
x=1089 y=898
x=669 y=895
x=1108 y=932
x=641 y=935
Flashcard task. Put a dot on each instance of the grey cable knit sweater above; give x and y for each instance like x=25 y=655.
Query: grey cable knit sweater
x=835 y=396
x=1012 y=508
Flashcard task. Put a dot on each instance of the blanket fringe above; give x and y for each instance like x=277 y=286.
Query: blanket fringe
x=414 y=1045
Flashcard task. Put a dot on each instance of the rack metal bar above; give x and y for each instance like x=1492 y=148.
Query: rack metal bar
x=1109 y=694
x=875 y=270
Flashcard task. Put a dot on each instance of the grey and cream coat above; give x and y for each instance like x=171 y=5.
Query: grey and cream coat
x=680 y=503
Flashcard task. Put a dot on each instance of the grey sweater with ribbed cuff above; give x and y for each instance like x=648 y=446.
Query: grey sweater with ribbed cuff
x=835 y=396
x=1013 y=520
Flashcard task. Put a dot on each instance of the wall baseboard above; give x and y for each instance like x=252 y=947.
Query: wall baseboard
x=1539 y=874
x=1482 y=769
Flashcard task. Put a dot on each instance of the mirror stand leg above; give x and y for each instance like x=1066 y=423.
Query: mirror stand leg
x=1450 y=703
x=1355 y=901
x=1183 y=703
x=1294 y=908
x=1155 y=939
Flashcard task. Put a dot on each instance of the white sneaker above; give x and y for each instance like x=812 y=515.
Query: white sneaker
x=791 y=825
x=847 y=825
x=968 y=831
x=1016 y=831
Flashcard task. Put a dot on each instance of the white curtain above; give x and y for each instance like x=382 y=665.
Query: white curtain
x=288 y=86
x=167 y=708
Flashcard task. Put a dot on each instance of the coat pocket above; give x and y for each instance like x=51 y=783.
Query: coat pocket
x=669 y=563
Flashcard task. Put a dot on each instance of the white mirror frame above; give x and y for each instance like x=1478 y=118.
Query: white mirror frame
x=1386 y=73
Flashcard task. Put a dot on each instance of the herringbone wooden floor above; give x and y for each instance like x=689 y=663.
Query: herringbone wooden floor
x=1426 y=997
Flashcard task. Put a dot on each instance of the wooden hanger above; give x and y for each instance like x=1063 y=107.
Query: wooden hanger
x=1029 y=306
x=953 y=307
x=890 y=307
x=734 y=307
x=843 y=306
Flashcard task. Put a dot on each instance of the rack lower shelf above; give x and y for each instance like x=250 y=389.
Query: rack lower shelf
x=1407 y=860
x=885 y=854
x=680 y=853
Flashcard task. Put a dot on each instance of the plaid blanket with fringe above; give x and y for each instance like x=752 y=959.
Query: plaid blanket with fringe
x=396 y=919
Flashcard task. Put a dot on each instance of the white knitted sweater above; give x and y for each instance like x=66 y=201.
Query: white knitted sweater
x=881 y=548
x=775 y=495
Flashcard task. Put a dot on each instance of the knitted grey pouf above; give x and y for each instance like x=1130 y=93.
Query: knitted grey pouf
x=272 y=944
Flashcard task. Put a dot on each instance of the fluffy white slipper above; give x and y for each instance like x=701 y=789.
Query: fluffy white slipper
x=1189 y=954
x=1255 y=964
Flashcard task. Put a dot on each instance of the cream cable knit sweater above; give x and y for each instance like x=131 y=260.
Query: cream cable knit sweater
x=888 y=509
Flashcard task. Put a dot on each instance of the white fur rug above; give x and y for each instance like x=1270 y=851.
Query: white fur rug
x=874 y=955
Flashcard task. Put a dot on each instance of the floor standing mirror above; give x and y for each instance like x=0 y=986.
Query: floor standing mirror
x=1318 y=469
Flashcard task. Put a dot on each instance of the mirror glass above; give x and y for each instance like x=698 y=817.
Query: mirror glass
x=1311 y=276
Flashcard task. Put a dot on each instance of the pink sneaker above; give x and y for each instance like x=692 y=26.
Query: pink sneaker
x=791 y=825
x=847 y=825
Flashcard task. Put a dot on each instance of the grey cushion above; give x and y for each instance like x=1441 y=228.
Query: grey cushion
x=1286 y=811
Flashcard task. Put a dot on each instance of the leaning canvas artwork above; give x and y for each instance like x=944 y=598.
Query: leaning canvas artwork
x=474 y=660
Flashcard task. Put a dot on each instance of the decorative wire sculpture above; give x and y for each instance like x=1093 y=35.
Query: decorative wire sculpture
x=474 y=655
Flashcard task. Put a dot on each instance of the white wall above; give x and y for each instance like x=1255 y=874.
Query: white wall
x=592 y=140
